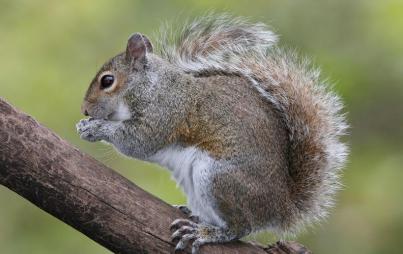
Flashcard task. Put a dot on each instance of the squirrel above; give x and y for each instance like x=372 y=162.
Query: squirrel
x=249 y=130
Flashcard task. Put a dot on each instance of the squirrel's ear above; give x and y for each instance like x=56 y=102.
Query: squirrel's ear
x=137 y=47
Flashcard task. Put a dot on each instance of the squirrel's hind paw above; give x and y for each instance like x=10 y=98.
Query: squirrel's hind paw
x=187 y=230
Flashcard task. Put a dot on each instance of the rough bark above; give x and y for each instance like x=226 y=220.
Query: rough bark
x=75 y=188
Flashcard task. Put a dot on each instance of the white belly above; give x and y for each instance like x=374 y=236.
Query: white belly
x=192 y=168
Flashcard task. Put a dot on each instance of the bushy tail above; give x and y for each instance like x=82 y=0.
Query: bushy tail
x=309 y=110
x=213 y=43
x=315 y=125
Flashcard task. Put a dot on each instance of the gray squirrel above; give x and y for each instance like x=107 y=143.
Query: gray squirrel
x=249 y=130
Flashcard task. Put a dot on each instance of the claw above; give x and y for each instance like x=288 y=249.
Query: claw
x=182 y=231
x=178 y=223
x=186 y=231
x=183 y=242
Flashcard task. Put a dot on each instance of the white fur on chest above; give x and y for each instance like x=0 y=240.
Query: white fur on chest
x=192 y=170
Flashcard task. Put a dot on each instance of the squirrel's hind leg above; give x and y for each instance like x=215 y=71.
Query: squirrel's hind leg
x=187 y=230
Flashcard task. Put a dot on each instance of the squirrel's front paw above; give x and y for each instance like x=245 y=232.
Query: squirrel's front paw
x=90 y=129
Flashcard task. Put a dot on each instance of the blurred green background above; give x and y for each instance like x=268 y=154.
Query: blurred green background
x=50 y=50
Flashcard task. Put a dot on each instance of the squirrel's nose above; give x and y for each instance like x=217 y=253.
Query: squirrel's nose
x=84 y=108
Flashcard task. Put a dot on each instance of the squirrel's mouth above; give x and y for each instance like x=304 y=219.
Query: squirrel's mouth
x=118 y=114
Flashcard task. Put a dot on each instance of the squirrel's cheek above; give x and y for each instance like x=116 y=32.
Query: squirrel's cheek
x=121 y=113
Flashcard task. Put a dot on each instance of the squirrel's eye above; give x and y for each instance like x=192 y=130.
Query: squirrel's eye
x=107 y=81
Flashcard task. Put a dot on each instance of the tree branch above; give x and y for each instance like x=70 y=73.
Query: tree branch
x=75 y=188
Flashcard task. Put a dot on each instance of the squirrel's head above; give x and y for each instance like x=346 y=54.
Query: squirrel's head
x=107 y=95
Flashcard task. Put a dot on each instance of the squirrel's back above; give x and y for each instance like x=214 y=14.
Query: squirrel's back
x=309 y=111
